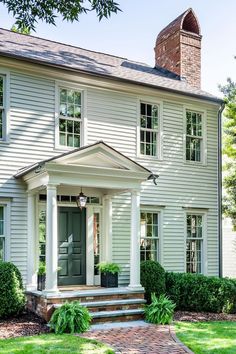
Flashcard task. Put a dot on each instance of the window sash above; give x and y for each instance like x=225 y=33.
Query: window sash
x=149 y=239
x=194 y=136
x=2 y=233
x=194 y=243
x=149 y=129
x=2 y=104
x=70 y=102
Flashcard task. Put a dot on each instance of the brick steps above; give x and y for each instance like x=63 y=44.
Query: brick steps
x=114 y=310
x=105 y=304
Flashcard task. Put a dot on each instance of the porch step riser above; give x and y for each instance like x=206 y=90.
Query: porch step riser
x=95 y=298
x=118 y=319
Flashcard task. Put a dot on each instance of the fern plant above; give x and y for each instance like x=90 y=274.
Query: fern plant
x=71 y=317
x=160 y=311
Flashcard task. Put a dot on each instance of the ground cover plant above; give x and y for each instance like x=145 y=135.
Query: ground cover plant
x=160 y=311
x=71 y=317
x=51 y=343
x=208 y=337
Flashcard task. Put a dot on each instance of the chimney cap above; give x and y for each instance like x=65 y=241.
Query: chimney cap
x=187 y=21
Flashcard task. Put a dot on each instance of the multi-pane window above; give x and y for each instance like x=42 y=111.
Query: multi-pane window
x=96 y=241
x=1 y=105
x=194 y=136
x=70 y=118
x=149 y=115
x=149 y=240
x=194 y=243
x=2 y=234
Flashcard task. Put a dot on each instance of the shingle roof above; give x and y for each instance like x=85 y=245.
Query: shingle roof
x=51 y=53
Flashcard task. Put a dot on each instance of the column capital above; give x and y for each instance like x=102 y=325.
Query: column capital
x=135 y=192
x=51 y=186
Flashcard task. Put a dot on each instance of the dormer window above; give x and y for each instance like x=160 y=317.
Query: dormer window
x=70 y=108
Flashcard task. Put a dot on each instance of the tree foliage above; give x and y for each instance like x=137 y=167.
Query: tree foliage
x=22 y=30
x=229 y=149
x=28 y=12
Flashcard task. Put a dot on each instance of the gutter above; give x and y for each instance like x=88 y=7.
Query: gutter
x=220 y=255
x=113 y=78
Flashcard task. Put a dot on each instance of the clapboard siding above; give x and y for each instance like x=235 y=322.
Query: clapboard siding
x=112 y=117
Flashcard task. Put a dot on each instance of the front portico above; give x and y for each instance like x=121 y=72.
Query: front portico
x=101 y=171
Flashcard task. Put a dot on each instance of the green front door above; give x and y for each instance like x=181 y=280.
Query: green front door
x=71 y=246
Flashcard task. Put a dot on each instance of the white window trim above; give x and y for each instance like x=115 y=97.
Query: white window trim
x=203 y=213
x=6 y=214
x=83 y=137
x=6 y=104
x=159 y=211
x=158 y=103
x=204 y=135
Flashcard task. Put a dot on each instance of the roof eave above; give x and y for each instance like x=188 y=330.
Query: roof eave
x=116 y=78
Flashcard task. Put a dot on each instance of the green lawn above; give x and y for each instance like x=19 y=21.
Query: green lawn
x=208 y=337
x=53 y=344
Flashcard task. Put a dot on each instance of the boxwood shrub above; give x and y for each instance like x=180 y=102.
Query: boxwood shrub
x=152 y=279
x=196 y=292
x=12 y=297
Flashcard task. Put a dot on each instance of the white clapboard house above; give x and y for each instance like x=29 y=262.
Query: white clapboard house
x=140 y=142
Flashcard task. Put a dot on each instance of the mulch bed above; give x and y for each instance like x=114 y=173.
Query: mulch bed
x=202 y=316
x=27 y=324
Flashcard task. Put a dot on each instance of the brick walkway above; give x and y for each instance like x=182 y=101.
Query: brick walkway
x=139 y=340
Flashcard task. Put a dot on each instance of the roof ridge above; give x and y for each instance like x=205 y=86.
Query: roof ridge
x=64 y=44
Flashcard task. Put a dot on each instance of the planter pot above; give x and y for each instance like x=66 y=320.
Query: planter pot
x=41 y=282
x=109 y=280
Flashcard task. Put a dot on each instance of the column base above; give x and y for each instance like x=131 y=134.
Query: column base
x=137 y=287
x=50 y=291
x=31 y=287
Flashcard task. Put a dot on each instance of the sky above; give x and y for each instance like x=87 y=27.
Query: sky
x=132 y=33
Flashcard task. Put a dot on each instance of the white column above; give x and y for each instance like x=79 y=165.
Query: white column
x=135 y=241
x=51 y=240
x=89 y=247
x=32 y=262
x=107 y=244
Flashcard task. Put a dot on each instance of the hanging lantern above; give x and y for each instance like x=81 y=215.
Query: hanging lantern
x=81 y=200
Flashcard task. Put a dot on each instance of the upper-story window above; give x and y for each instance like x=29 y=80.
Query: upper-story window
x=2 y=113
x=194 y=136
x=70 y=118
x=149 y=117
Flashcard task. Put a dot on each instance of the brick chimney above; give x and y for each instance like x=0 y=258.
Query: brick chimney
x=178 y=48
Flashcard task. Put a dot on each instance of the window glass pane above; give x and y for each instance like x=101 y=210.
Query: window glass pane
x=70 y=108
x=148 y=129
x=194 y=244
x=149 y=235
x=2 y=251
x=1 y=124
x=42 y=236
x=96 y=241
x=1 y=220
x=1 y=91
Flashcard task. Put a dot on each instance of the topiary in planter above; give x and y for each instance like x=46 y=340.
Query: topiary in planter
x=12 y=297
x=152 y=279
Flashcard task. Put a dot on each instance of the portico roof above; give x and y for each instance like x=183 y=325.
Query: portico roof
x=96 y=165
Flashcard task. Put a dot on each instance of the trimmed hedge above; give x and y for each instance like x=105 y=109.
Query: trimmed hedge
x=12 y=297
x=152 y=279
x=196 y=292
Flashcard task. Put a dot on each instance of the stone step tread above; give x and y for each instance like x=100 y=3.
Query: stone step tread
x=91 y=293
x=117 y=313
x=109 y=303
